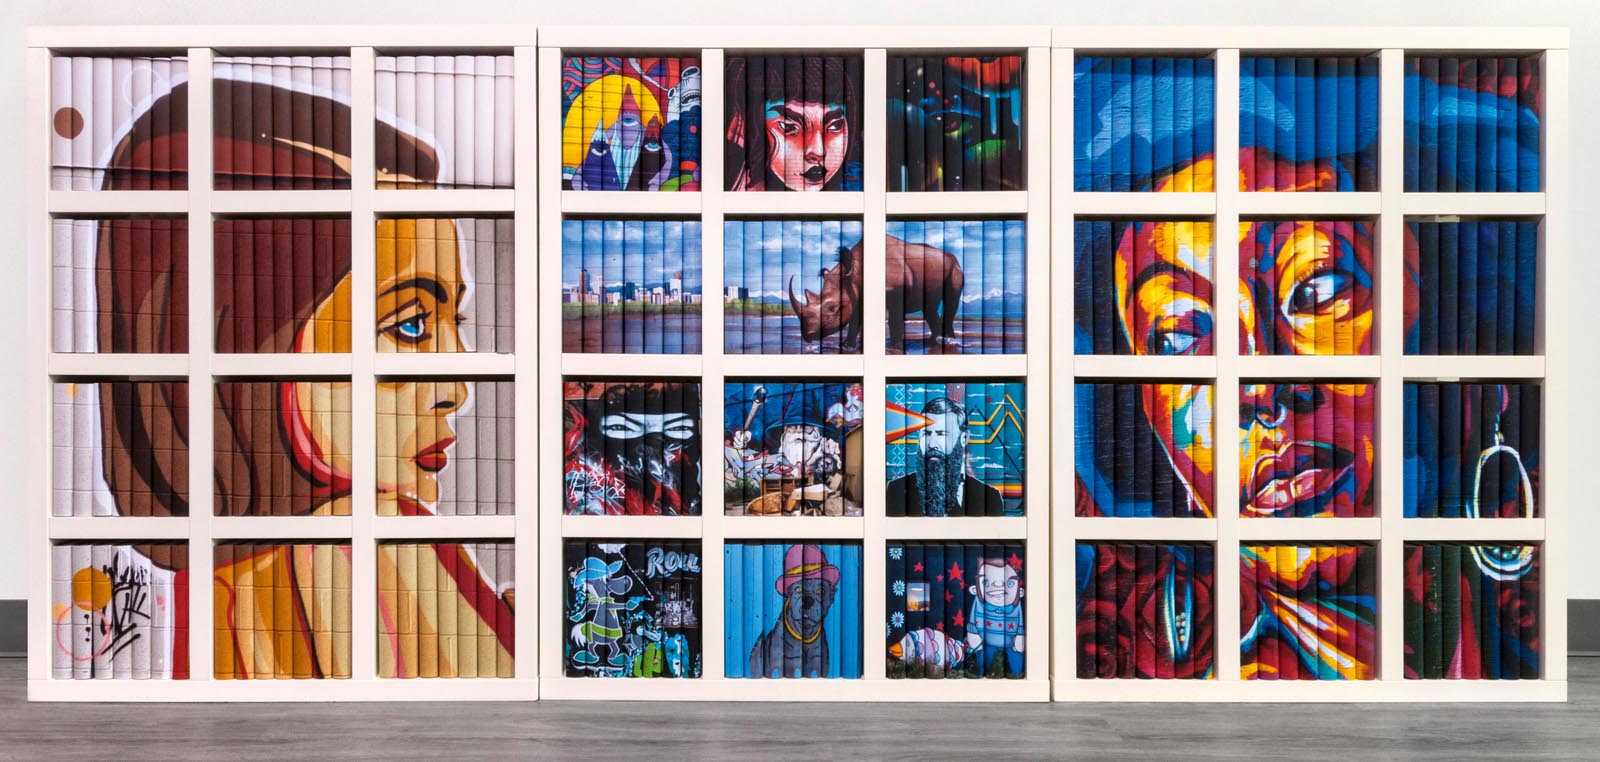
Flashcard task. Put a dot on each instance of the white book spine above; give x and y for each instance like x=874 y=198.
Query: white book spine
x=82 y=618
x=504 y=122
x=405 y=115
x=466 y=487
x=83 y=398
x=341 y=79
x=424 y=127
x=61 y=610
x=444 y=116
x=322 y=75
x=447 y=478
x=83 y=286
x=488 y=419
x=141 y=602
x=61 y=441
x=121 y=104
x=300 y=73
x=504 y=308
x=480 y=233
x=83 y=101
x=61 y=305
x=102 y=125
x=484 y=120
x=100 y=631
x=466 y=134
x=505 y=447
x=164 y=621
x=62 y=121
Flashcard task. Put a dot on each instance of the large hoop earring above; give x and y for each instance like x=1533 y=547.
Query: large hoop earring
x=1510 y=561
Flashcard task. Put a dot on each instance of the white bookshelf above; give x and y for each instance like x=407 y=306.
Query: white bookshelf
x=873 y=206
x=202 y=366
x=1389 y=367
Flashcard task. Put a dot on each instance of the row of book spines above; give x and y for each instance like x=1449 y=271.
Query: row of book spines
x=671 y=397
x=255 y=474
x=270 y=274
x=801 y=249
x=803 y=80
x=1130 y=473
x=1308 y=611
x=1097 y=244
x=1476 y=288
x=1476 y=124
x=266 y=626
x=658 y=571
x=1453 y=440
x=754 y=607
x=265 y=102
x=984 y=440
x=1465 y=622
x=1141 y=598
x=631 y=325
x=97 y=102
x=577 y=136
x=1142 y=124
x=1336 y=423
x=141 y=264
x=1332 y=105
x=927 y=648
x=930 y=157
x=970 y=285
x=150 y=464
x=480 y=477
x=440 y=610
x=462 y=104
x=118 y=613
x=482 y=250
x=1264 y=242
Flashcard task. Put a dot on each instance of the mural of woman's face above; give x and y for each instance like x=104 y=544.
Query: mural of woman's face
x=419 y=294
x=1288 y=454
x=1312 y=281
x=1165 y=296
x=809 y=141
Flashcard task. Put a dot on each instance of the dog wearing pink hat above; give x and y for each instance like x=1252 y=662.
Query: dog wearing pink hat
x=796 y=646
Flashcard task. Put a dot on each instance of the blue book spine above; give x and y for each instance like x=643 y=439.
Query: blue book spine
x=1528 y=117
x=1505 y=133
x=833 y=621
x=1506 y=288
x=1367 y=129
x=1127 y=407
x=1451 y=411
x=1428 y=438
x=1413 y=463
x=850 y=663
x=1084 y=435
x=783 y=660
x=1183 y=126
x=1445 y=121
x=1413 y=122
x=1102 y=253
x=1467 y=127
x=1083 y=282
x=1144 y=115
x=734 y=657
x=1449 y=286
x=1161 y=136
x=1082 y=121
x=1488 y=287
x=1205 y=107
x=1467 y=322
x=752 y=618
x=1103 y=123
x=1349 y=115
x=1526 y=298
x=1123 y=129
x=1248 y=83
x=933 y=552
x=1488 y=76
x=1266 y=123
x=1428 y=127
x=1329 y=117
x=1105 y=449
x=1305 y=123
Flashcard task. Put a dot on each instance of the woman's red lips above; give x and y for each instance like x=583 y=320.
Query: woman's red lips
x=434 y=458
x=1290 y=475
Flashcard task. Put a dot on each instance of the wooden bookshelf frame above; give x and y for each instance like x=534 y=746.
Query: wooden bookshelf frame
x=873 y=205
x=201 y=366
x=1389 y=367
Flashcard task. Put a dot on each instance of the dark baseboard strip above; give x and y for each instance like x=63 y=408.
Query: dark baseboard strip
x=1583 y=627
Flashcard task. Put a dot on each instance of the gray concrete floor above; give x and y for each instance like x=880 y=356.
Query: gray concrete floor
x=754 y=731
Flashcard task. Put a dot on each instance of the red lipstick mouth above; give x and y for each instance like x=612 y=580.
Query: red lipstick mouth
x=1291 y=475
x=433 y=459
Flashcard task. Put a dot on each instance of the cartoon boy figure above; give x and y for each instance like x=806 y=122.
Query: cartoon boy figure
x=601 y=598
x=994 y=625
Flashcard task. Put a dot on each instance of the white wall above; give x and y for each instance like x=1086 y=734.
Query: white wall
x=1582 y=16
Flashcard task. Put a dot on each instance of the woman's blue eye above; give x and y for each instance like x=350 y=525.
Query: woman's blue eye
x=413 y=328
x=1175 y=343
x=1317 y=291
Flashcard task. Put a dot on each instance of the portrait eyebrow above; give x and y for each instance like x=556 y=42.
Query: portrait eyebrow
x=402 y=308
x=835 y=111
x=1151 y=271
x=429 y=285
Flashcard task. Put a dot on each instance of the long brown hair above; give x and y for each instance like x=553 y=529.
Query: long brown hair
x=143 y=307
